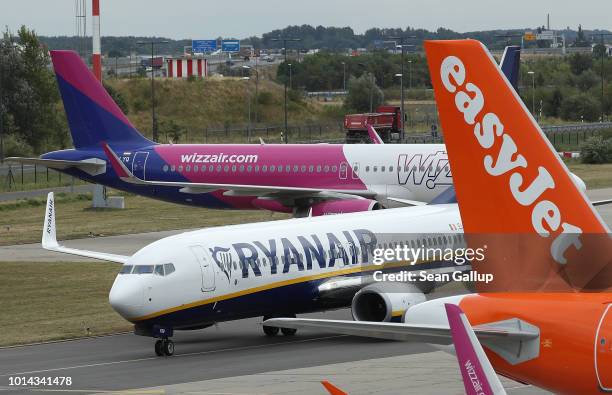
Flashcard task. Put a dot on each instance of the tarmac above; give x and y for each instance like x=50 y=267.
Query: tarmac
x=236 y=358
x=233 y=357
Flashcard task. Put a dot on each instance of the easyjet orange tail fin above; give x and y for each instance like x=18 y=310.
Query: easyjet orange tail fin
x=508 y=177
x=332 y=389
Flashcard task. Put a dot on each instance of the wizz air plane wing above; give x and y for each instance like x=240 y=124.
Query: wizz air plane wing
x=49 y=239
x=476 y=370
x=233 y=189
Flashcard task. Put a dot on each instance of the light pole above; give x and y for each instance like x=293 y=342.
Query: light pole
x=403 y=55
x=401 y=77
x=532 y=92
x=248 y=95
x=285 y=40
x=256 y=89
x=344 y=76
x=603 y=52
x=410 y=74
x=1 y=101
x=372 y=82
x=153 y=116
x=290 y=76
x=404 y=117
x=256 y=85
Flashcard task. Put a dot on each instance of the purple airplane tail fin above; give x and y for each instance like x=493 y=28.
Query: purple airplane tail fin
x=374 y=136
x=478 y=374
x=510 y=64
x=93 y=116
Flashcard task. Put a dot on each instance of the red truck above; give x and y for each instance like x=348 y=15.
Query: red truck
x=387 y=121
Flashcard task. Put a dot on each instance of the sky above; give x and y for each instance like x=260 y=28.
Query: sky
x=202 y=19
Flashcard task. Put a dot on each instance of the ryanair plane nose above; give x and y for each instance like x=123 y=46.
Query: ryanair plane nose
x=127 y=296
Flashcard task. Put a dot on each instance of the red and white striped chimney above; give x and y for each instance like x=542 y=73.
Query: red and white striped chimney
x=97 y=57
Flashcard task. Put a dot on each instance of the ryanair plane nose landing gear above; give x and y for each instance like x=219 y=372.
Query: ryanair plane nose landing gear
x=273 y=331
x=164 y=346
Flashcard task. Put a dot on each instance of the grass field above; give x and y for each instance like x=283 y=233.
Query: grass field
x=40 y=301
x=214 y=103
x=595 y=176
x=21 y=222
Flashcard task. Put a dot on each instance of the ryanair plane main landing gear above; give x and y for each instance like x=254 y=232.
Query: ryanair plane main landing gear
x=270 y=330
x=164 y=347
x=273 y=331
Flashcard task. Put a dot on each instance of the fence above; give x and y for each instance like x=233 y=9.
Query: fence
x=561 y=136
x=270 y=133
x=29 y=177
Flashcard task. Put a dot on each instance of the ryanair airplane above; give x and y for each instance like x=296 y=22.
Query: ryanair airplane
x=276 y=269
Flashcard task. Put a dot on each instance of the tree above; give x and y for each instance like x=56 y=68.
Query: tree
x=30 y=93
x=580 y=107
x=599 y=50
x=117 y=98
x=596 y=150
x=587 y=80
x=552 y=103
x=172 y=130
x=359 y=92
x=580 y=63
x=115 y=53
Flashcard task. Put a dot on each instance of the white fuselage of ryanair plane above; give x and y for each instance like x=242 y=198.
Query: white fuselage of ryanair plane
x=278 y=268
x=266 y=266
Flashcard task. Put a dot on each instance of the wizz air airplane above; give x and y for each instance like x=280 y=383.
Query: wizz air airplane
x=546 y=319
x=303 y=179
x=279 y=268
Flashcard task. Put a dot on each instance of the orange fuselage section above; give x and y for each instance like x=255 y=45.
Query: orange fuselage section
x=575 y=338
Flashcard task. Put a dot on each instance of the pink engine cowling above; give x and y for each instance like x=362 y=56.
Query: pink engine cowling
x=343 y=206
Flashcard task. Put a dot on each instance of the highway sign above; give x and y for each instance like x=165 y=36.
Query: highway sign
x=546 y=35
x=529 y=36
x=203 y=46
x=230 y=45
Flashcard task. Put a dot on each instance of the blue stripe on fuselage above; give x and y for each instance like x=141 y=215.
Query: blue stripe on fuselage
x=295 y=298
x=110 y=178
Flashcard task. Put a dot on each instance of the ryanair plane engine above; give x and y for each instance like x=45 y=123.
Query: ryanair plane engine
x=385 y=301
